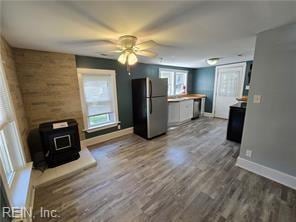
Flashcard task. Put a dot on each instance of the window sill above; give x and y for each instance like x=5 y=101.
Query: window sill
x=102 y=127
x=20 y=188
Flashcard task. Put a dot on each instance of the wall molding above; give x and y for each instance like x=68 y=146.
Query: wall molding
x=106 y=137
x=272 y=174
x=206 y=114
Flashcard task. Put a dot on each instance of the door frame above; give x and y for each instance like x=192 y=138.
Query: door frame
x=235 y=65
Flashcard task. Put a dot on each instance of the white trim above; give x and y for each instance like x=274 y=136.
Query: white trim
x=5 y=184
x=241 y=64
x=104 y=126
x=106 y=137
x=272 y=174
x=210 y=115
x=80 y=72
x=20 y=159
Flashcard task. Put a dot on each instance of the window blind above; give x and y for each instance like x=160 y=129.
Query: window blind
x=5 y=115
x=98 y=94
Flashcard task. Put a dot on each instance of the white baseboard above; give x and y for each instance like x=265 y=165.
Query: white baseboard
x=272 y=174
x=211 y=115
x=106 y=137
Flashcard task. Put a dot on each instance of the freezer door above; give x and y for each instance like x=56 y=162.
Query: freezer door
x=157 y=116
x=156 y=87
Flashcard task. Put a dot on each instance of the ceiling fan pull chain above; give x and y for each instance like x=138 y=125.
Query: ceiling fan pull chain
x=128 y=68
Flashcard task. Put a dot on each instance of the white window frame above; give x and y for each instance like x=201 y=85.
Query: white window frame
x=112 y=73
x=175 y=71
x=15 y=151
x=6 y=152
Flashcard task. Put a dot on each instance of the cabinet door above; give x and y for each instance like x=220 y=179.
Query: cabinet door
x=174 y=112
x=186 y=110
x=189 y=109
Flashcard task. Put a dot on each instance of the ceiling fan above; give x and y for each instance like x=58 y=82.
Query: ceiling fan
x=128 y=50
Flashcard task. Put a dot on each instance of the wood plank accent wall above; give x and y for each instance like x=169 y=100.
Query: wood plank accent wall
x=49 y=86
x=14 y=88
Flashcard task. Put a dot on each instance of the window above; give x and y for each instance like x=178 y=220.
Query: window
x=98 y=98
x=5 y=158
x=11 y=156
x=177 y=81
x=229 y=83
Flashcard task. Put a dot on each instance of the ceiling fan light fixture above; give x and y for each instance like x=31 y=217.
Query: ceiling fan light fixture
x=132 y=59
x=212 y=61
x=122 y=58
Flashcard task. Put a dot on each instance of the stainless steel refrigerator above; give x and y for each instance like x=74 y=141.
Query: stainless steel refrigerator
x=150 y=107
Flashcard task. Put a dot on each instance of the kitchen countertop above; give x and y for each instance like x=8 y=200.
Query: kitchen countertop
x=186 y=97
x=242 y=99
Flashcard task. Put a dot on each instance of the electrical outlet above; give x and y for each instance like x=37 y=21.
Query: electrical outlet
x=249 y=153
x=257 y=99
x=247 y=87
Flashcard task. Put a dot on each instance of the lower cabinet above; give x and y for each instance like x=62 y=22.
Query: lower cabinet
x=180 y=112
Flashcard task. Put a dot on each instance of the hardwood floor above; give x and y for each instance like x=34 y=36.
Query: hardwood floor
x=187 y=175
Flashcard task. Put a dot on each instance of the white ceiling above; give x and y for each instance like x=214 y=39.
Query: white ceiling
x=190 y=31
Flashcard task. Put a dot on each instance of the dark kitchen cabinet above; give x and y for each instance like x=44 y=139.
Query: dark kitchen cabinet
x=236 y=122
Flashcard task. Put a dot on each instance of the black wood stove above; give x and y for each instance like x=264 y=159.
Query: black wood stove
x=60 y=141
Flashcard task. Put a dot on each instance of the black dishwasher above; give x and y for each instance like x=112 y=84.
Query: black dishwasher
x=236 y=122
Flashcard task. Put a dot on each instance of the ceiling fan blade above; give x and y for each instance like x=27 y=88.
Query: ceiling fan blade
x=93 y=42
x=115 y=51
x=99 y=41
x=146 y=45
x=110 y=52
x=146 y=53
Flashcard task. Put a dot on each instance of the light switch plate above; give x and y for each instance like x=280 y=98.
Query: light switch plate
x=257 y=99
x=249 y=153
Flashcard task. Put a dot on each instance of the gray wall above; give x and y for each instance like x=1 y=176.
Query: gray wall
x=270 y=127
x=203 y=81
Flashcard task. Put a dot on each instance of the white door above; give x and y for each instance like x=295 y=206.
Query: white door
x=229 y=86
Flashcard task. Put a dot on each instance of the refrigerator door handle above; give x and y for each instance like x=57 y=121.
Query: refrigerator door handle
x=150 y=105
x=150 y=88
